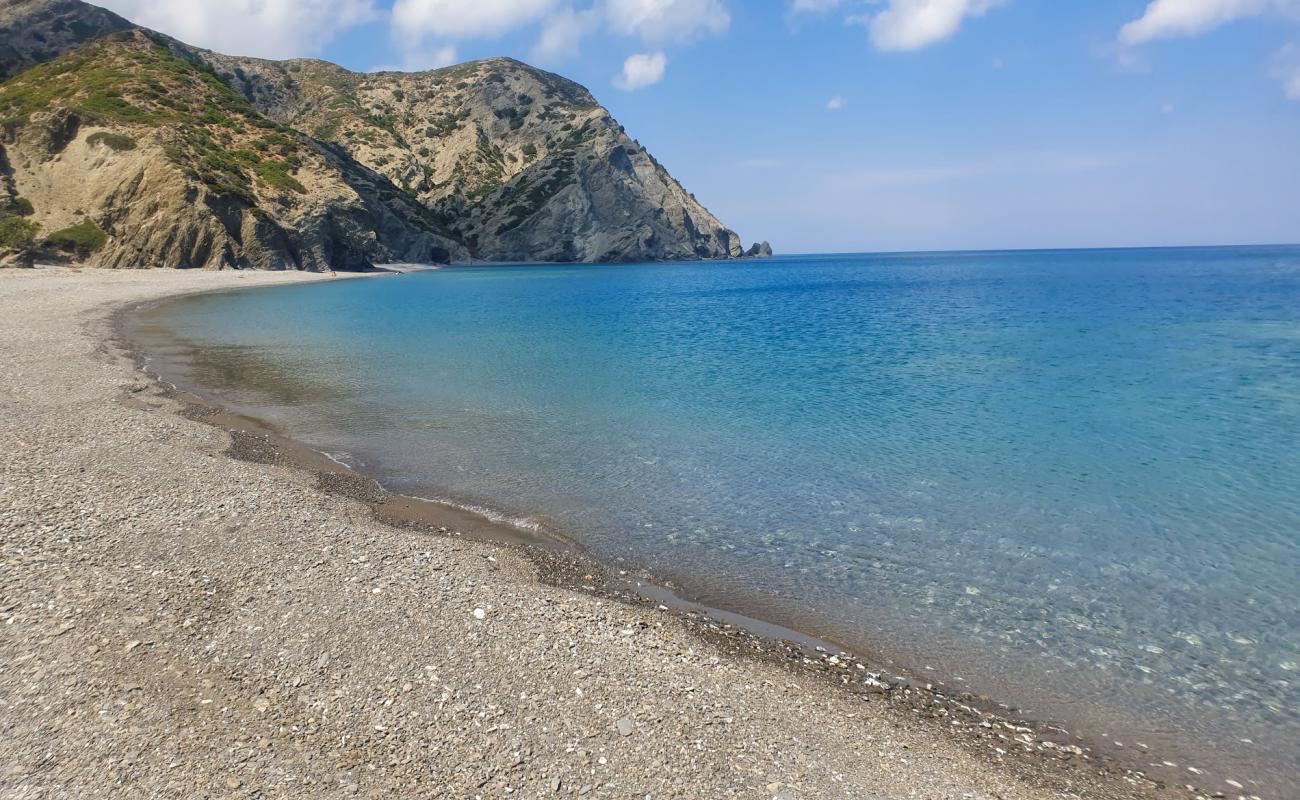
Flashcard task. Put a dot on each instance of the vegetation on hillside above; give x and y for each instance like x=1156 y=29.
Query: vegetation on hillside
x=17 y=233
x=81 y=239
x=496 y=116
x=129 y=81
x=113 y=141
x=476 y=154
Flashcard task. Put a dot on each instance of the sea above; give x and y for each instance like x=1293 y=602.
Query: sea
x=1067 y=481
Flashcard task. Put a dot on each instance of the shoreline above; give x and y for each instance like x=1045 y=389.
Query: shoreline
x=1036 y=764
x=565 y=562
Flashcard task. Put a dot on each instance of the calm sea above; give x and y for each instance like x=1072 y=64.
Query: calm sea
x=1066 y=480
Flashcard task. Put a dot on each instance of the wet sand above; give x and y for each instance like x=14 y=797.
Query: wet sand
x=180 y=622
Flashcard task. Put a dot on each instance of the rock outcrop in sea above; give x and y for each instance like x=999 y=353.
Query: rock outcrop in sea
x=130 y=148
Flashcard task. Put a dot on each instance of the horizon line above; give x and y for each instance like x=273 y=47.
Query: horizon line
x=1074 y=248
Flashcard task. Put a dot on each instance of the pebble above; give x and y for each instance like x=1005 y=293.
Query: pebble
x=240 y=584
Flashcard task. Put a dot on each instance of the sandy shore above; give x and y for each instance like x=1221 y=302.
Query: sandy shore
x=175 y=622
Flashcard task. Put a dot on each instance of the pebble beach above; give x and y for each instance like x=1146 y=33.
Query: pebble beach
x=176 y=622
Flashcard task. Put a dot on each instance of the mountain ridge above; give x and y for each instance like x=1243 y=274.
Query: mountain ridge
x=304 y=164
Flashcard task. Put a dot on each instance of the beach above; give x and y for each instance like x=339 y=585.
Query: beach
x=178 y=622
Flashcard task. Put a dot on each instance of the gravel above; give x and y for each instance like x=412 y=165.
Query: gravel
x=177 y=623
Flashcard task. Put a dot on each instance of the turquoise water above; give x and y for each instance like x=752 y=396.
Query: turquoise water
x=1069 y=480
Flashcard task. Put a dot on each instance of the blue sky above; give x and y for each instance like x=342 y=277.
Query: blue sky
x=848 y=125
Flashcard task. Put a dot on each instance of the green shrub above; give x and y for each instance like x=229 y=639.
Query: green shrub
x=17 y=233
x=276 y=174
x=443 y=126
x=212 y=115
x=113 y=141
x=84 y=237
x=24 y=206
x=110 y=106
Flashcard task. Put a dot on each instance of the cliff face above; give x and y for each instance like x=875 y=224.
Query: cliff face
x=35 y=31
x=149 y=159
x=521 y=163
x=245 y=162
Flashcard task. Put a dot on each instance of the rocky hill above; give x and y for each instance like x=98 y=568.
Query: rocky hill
x=156 y=161
x=172 y=155
x=36 y=31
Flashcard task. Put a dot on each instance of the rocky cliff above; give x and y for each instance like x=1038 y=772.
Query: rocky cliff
x=180 y=156
x=128 y=154
x=520 y=163
x=35 y=31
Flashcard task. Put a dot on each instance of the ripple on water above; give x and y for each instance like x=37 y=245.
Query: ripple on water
x=1070 y=477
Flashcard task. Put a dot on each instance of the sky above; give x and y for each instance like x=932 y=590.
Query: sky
x=880 y=125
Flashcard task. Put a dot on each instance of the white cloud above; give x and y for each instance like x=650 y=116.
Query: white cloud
x=1126 y=59
x=563 y=23
x=813 y=6
x=913 y=24
x=836 y=103
x=641 y=70
x=667 y=20
x=421 y=59
x=1286 y=68
x=414 y=20
x=902 y=24
x=265 y=28
x=436 y=57
x=562 y=34
x=1291 y=84
x=1169 y=18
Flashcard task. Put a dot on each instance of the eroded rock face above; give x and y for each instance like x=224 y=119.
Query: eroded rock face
x=521 y=163
x=35 y=31
x=310 y=166
x=605 y=200
x=174 y=168
x=17 y=259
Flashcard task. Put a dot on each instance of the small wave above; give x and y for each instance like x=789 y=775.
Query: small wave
x=403 y=267
x=342 y=458
x=523 y=523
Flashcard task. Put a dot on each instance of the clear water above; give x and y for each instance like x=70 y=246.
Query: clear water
x=1070 y=480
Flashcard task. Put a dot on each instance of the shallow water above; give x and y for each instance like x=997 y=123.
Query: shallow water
x=1067 y=479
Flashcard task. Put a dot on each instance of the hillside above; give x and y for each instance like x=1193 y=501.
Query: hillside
x=523 y=164
x=245 y=162
x=157 y=161
x=35 y=31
